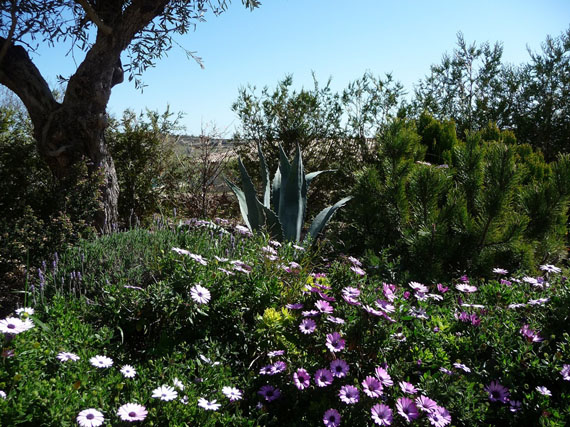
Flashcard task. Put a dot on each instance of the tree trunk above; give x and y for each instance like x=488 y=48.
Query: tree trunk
x=70 y=136
x=73 y=130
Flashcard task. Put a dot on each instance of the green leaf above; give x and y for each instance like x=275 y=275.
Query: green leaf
x=264 y=176
x=293 y=200
x=254 y=213
x=323 y=217
x=310 y=176
x=242 y=201
x=274 y=227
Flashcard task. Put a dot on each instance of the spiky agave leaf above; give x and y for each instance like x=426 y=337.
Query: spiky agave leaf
x=292 y=200
x=265 y=177
x=323 y=217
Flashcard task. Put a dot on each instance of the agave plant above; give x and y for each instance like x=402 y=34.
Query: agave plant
x=288 y=194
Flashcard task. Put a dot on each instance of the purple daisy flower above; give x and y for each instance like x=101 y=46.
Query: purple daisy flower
x=515 y=405
x=543 y=390
x=407 y=387
x=351 y=292
x=462 y=367
x=336 y=320
x=339 y=368
x=464 y=287
x=349 y=394
x=90 y=418
x=354 y=261
x=372 y=387
x=384 y=377
x=335 y=342
x=324 y=306
x=296 y=306
x=323 y=377
x=278 y=367
x=425 y=404
x=407 y=409
x=64 y=356
x=419 y=287
x=101 y=361
x=308 y=326
x=302 y=379
x=381 y=414
x=132 y=412
x=350 y=300
x=200 y=294
x=439 y=417
x=441 y=288
x=331 y=418
x=276 y=353
x=358 y=270
x=497 y=392
x=310 y=313
x=266 y=370
x=269 y=393
x=208 y=405
x=232 y=393
x=565 y=372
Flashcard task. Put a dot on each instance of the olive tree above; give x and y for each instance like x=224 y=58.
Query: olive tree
x=140 y=32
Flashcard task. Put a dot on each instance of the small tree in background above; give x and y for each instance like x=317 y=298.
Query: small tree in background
x=204 y=194
x=144 y=149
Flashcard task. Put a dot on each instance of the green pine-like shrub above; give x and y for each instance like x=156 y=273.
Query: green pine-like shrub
x=493 y=203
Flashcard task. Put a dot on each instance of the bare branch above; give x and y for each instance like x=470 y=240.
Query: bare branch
x=19 y=74
x=10 y=37
x=92 y=15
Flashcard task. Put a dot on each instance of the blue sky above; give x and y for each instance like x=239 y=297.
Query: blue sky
x=334 y=38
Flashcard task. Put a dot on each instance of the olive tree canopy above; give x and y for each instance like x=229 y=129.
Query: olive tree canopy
x=73 y=129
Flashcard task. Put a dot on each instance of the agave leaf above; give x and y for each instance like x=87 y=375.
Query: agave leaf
x=254 y=212
x=276 y=190
x=242 y=201
x=264 y=177
x=292 y=199
x=310 y=176
x=274 y=227
x=280 y=178
x=323 y=217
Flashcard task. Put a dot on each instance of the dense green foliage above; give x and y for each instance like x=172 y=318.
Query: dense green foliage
x=130 y=296
x=492 y=203
x=39 y=214
x=148 y=170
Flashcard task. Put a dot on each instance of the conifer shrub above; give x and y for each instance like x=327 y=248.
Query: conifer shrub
x=493 y=203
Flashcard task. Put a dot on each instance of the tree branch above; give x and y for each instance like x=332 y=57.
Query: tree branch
x=92 y=15
x=19 y=74
x=11 y=32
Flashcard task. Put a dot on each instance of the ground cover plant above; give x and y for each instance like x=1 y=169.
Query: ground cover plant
x=203 y=323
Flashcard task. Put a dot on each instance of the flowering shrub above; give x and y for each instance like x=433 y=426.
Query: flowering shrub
x=200 y=324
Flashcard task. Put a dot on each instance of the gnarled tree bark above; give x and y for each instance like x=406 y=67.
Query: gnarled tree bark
x=74 y=129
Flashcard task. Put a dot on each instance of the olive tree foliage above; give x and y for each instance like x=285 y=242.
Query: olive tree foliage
x=542 y=111
x=140 y=32
x=473 y=87
x=466 y=86
x=331 y=128
x=334 y=130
